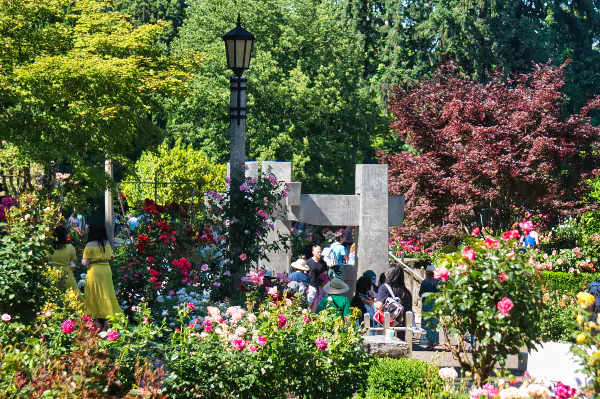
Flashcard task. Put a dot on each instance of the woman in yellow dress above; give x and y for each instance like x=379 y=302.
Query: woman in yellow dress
x=100 y=298
x=63 y=257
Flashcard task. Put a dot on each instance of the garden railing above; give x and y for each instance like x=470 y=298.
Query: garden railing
x=410 y=331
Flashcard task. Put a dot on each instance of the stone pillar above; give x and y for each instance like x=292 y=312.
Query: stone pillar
x=279 y=261
x=372 y=245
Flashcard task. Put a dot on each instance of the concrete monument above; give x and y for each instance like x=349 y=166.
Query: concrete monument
x=370 y=210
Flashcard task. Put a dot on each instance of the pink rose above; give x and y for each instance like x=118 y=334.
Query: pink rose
x=441 y=273
x=191 y=306
x=261 y=341
x=252 y=348
x=281 y=321
x=204 y=268
x=243 y=257
x=68 y=326
x=306 y=319
x=491 y=243
x=86 y=318
x=112 y=335
x=321 y=344
x=505 y=306
x=468 y=254
x=238 y=344
x=476 y=231
x=511 y=235
x=502 y=277
x=6 y=317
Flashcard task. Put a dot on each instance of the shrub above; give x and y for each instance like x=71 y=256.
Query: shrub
x=568 y=283
x=493 y=292
x=177 y=164
x=400 y=378
x=556 y=318
x=24 y=244
x=267 y=352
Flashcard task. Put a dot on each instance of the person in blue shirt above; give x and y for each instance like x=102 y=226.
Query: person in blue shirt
x=341 y=254
x=300 y=273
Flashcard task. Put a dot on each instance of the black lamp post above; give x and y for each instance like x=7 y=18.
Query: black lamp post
x=238 y=46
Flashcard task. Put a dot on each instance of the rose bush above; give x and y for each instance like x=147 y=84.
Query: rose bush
x=24 y=244
x=244 y=216
x=165 y=253
x=492 y=294
x=587 y=348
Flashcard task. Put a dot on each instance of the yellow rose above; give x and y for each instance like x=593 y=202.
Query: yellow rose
x=580 y=318
x=585 y=299
x=580 y=338
x=596 y=354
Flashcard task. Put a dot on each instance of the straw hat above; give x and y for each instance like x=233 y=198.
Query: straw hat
x=300 y=264
x=335 y=286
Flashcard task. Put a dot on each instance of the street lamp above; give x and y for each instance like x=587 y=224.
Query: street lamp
x=238 y=47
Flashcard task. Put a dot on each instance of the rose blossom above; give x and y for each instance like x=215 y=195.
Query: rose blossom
x=204 y=268
x=441 y=273
x=112 y=335
x=321 y=343
x=502 y=277
x=251 y=318
x=476 y=231
x=306 y=319
x=238 y=344
x=272 y=291
x=252 y=348
x=491 y=243
x=511 y=235
x=6 y=317
x=282 y=321
x=505 y=306
x=243 y=257
x=468 y=254
x=261 y=341
x=68 y=326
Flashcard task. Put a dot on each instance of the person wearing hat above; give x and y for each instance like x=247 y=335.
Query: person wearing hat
x=300 y=273
x=428 y=287
x=335 y=288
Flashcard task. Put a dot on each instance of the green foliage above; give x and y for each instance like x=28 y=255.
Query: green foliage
x=478 y=36
x=568 y=283
x=180 y=163
x=289 y=362
x=24 y=244
x=401 y=378
x=557 y=317
x=481 y=277
x=308 y=100
x=77 y=82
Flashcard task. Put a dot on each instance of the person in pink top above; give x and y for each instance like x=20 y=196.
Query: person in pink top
x=319 y=293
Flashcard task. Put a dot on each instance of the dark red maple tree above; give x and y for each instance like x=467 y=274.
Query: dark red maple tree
x=495 y=149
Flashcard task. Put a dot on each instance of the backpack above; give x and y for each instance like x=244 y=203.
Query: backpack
x=329 y=256
x=393 y=306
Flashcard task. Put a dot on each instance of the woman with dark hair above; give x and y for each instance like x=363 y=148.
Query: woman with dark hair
x=63 y=257
x=394 y=281
x=362 y=298
x=100 y=298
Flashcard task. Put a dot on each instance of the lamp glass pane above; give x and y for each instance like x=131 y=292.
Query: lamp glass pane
x=247 y=54
x=230 y=53
x=239 y=54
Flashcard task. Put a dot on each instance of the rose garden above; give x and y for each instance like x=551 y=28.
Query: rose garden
x=467 y=164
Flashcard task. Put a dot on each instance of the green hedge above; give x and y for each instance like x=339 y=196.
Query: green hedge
x=568 y=283
x=401 y=378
